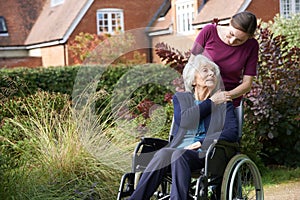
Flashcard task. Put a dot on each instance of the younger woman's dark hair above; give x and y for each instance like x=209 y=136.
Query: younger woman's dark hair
x=244 y=21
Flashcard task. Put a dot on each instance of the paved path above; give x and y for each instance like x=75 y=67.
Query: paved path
x=284 y=191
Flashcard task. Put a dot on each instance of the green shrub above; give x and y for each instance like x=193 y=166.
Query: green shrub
x=289 y=28
x=24 y=81
x=101 y=49
x=16 y=109
x=273 y=104
x=74 y=80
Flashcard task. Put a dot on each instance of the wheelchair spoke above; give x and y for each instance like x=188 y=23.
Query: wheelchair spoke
x=244 y=184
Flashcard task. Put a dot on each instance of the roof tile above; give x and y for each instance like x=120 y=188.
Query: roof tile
x=54 y=22
x=223 y=9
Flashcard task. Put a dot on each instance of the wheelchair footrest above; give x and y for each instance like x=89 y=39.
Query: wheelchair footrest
x=202 y=190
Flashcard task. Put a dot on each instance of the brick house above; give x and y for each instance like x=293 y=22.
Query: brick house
x=38 y=32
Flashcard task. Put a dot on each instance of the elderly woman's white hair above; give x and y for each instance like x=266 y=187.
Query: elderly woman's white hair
x=195 y=65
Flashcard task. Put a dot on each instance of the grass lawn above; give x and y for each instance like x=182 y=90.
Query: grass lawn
x=277 y=175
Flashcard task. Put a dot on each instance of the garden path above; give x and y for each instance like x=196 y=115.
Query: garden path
x=283 y=191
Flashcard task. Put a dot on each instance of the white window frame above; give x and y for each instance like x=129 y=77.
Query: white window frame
x=185 y=12
x=4 y=31
x=111 y=19
x=289 y=7
x=56 y=2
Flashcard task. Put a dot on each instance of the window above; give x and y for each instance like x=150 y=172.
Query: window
x=3 y=28
x=184 y=15
x=289 y=7
x=110 y=21
x=56 y=2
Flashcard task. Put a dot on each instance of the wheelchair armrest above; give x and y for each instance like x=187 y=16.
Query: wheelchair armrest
x=144 y=152
x=230 y=148
x=209 y=151
x=150 y=144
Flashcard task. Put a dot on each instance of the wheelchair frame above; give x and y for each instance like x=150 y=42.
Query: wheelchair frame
x=241 y=178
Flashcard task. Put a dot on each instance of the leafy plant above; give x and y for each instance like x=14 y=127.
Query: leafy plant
x=26 y=81
x=105 y=49
x=83 y=44
x=174 y=59
x=273 y=103
x=290 y=28
x=171 y=56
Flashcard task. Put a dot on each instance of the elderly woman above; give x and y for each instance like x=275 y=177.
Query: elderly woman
x=201 y=115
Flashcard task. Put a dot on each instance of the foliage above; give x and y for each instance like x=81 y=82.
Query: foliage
x=175 y=59
x=143 y=82
x=37 y=126
x=49 y=150
x=279 y=174
x=172 y=57
x=83 y=44
x=273 y=103
x=144 y=107
x=14 y=109
x=290 y=28
x=102 y=49
x=43 y=156
x=250 y=144
x=136 y=83
x=24 y=81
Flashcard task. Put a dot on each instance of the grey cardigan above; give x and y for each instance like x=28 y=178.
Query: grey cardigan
x=219 y=120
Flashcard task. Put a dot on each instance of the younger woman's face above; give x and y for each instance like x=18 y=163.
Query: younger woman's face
x=206 y=77
x=235 y=37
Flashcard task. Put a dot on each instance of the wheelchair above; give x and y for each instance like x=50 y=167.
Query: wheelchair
x=240 y=178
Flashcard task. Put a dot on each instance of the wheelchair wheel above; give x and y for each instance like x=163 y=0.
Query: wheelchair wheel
x=241 y=180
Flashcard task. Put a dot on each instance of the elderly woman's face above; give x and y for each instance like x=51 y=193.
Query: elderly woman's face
x=206 y=77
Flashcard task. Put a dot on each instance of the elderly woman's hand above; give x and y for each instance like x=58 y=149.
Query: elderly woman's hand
x=194 y=146
x=220 y=97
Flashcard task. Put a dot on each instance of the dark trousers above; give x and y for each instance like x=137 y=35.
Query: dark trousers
x=180 y=161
